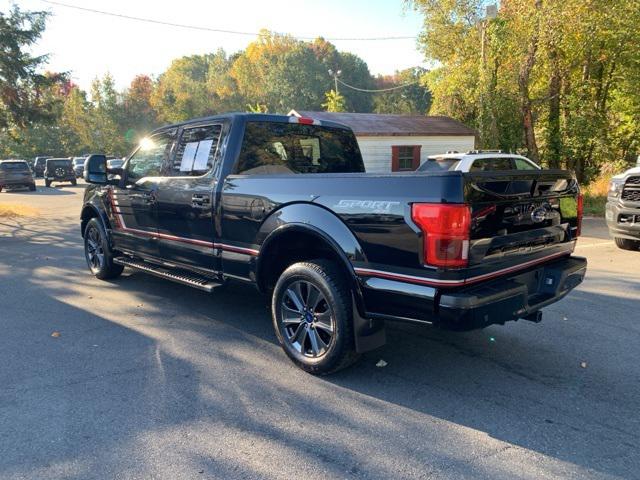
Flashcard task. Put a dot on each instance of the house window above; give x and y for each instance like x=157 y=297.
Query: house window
x=405 y=157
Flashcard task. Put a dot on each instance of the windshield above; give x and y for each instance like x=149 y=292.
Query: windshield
x=78 y=161
x=14 y=166
x=115 y=163
x=439 y=165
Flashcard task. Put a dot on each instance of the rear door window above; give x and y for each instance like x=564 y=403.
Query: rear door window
x=197 y=150
x=271 y=148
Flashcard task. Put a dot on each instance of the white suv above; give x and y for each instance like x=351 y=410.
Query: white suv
x=477 y=161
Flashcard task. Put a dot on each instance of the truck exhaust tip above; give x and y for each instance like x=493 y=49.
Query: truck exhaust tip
x=535 y=317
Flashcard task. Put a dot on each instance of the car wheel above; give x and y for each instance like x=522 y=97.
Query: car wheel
x=312 y=316
x=97 y=252
x=627 y=244
x=74 y=182
x=32 y=187
x=47 y=183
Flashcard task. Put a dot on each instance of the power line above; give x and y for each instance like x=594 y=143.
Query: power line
x=397 y=87
x=209 y=29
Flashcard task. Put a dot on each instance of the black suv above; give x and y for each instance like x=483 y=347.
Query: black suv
x=59 y=170
x=38 y=166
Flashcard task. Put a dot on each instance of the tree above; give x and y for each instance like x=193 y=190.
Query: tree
x=22 y=101
x=551 y=79
x=415 y=99
x=334 y=102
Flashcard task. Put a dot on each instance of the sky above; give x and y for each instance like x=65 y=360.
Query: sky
x=89 y=44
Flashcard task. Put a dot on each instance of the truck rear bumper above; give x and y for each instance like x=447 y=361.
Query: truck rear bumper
x=497 y=301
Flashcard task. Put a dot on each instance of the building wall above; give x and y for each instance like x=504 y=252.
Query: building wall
x=376 y=151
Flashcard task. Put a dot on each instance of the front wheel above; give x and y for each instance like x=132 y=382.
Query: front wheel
x=47 y=183
x=313 y=318
x=32 y=187
x=98 y=253
x=627 y=244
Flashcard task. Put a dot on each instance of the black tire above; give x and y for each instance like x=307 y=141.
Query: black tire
x=325 y=326
x=47 y=183
x=1 y=187
x=98 y=253
x=627 y=244
x=74 y=182
x=32 y=188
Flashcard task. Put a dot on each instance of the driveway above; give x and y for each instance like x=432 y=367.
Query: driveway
x=142 y=378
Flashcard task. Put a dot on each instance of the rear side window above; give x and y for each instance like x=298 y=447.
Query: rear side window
x=523 y=164
x=491 y=164
x=197 y=150
x=271 y=148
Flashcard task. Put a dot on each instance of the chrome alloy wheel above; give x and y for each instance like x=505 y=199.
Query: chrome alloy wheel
x=93 y=249
x=306 y=319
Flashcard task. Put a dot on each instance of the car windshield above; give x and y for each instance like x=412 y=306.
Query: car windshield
x=78 y=161
x=58 y=163
x=115 y=163
x=439 y=165
x=14 y=166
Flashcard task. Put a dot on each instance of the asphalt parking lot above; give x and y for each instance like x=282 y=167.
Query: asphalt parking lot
x=143 y=378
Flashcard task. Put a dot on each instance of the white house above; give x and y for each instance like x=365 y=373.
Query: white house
x=392 y=143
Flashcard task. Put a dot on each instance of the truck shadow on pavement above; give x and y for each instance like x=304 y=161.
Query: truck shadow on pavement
x=149 y=376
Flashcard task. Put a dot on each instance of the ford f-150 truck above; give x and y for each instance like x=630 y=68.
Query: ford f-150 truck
x=284 y=203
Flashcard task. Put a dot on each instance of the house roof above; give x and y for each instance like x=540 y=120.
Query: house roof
x=378 y=124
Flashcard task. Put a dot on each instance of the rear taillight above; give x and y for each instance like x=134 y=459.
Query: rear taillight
x=446 y=230
x=580 y=208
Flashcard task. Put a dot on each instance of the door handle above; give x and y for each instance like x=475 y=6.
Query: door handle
x=200 y=200
x=144 y=197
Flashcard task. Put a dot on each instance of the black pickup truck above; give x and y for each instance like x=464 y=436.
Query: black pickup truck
x=284 y=203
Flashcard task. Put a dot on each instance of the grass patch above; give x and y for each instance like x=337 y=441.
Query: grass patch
x=12 y=210
x=594 y=204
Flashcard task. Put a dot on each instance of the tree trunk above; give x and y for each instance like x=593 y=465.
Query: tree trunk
x=523 y=87
x=554 y=139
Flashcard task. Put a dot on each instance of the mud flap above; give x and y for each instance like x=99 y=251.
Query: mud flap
x=369 y=333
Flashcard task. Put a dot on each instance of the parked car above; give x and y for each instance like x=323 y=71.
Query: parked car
x=283 y=203
x=622 y=210
x=59 y=170
x=15 y=174
x=477 y=161
x=78 y=166
x=115 y=163
x=38 y=166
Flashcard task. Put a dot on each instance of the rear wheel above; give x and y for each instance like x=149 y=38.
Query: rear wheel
x=98 y=253
x=1 y=187
x=74 y=182
x=313 y=318
x=47 y=183
x=627 y=244
x=32 y=187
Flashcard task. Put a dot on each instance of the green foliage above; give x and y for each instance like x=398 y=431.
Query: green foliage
x=556 y=80
x=411 y=100
x=334 y=102
x=24 y=97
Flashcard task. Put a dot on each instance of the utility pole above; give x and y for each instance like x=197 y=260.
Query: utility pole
x=335 y=76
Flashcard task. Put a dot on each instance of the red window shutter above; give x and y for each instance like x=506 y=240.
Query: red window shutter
x=416 y=156
x=395 y=158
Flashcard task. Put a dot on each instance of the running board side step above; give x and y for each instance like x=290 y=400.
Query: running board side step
x=176 y=275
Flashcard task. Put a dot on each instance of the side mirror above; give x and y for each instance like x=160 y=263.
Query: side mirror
x=95 y=169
